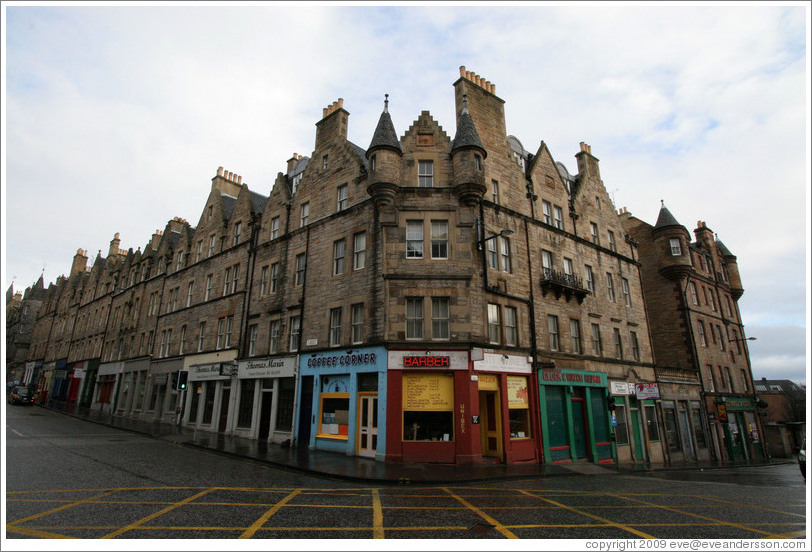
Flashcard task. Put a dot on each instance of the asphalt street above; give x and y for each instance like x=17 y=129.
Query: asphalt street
x=68 y=478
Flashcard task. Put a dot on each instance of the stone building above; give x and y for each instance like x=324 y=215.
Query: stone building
x=692 y=290
x=430 y=298
x=784 y=416
x=21 y=316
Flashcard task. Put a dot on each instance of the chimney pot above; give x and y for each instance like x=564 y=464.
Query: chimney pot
x=462 y=70
x=239 y=179
x=219 y=171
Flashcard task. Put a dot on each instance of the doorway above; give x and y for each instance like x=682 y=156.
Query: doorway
x=265 y=406
x=224 y=409
x=490 y=413
x=368 y=424
x=305 y=411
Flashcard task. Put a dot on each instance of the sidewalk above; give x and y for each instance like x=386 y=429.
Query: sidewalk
x=365 y=470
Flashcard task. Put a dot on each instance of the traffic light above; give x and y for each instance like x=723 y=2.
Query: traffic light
x=183 y=376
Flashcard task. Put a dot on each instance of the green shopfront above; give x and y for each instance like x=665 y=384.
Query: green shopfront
x=738 y=420
x=575 y=422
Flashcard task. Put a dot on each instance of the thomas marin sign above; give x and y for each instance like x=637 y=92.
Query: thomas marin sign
x=280 y=367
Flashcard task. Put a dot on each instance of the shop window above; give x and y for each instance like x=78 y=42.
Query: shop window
x=651 y=423
x=208 y=405
x=334 y=415
x=518 y=407
x=193 y=402
x=428 y=407
x=246 y=410
x=621 y=429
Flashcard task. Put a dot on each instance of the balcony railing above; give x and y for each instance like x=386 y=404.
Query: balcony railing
x=561 y=283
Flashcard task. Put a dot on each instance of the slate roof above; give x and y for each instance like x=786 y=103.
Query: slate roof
x=722 y=249
x=665 y=219
x=385 y=135
x=467 y=136
x=228 y=204
x=258 y=202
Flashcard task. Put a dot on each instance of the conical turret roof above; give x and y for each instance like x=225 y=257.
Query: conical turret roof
x=385 y=135
x=665 y=218
x=467 y=136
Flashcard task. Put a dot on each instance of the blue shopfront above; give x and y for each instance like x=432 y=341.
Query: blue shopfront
x=342 y=401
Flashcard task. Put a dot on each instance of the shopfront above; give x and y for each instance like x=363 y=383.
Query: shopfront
x=266 y=389
x=738 y=423
x=431 y=414
x=575 y=417
x=31 y=374
x=76 y=378
x=106 y=388
x=343 y=397
x=132 y=387
x=45 y=383
x=209 y=395
x=161 y=393
x=508 y=411
x=59 y=383
x=634 y=419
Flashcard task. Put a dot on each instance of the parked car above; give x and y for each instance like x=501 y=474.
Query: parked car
x=21 y=395
x=802 y=458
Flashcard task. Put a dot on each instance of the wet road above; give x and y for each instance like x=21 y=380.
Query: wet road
x=67 y=478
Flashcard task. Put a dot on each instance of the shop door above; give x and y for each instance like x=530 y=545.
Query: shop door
x=224 y=409
x=639 y=451
x=734 y=433
x=265 y=415
x=579 y=427
x=305 y=411
x=368 y=425
x=686 y=433
x=490 y=423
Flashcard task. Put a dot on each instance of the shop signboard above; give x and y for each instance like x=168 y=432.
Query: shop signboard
x=646 y=391
x=517 y=392
x=205 y=372
x=279 y=367
x=432 y=360
x=618 y=388
x=504 y=363
x=572 y=377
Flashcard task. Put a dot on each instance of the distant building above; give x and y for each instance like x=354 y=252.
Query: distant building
x=785 y=420
x=692 y=290
x=21 y=316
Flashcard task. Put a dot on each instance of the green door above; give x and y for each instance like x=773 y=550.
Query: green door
x=735 y=435
x=579 y=428
x=638 y=435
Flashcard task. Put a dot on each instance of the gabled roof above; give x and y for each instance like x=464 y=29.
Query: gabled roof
x=228 y=204
x=258 y=202
x=360 y=152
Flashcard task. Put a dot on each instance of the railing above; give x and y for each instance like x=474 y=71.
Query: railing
x=560 y=283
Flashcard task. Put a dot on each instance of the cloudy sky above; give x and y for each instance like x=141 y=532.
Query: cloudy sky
x=116 y=117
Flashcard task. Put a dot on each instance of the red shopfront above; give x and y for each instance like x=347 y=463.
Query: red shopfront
x=430 y=403
x=507 y=407
x=443 y=407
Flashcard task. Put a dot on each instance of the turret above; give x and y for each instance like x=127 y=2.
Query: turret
x=467 y=159
x=728 y=260
x=671 y=240
x=385 y=159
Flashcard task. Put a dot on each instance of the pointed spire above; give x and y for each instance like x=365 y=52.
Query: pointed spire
x=467 y=136
x=385 y=135
x=665 y=218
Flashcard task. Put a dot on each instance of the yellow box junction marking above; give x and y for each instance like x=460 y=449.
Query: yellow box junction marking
x=261 y=521
x=156 y=514
x=377 y=516
x=496 y=525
